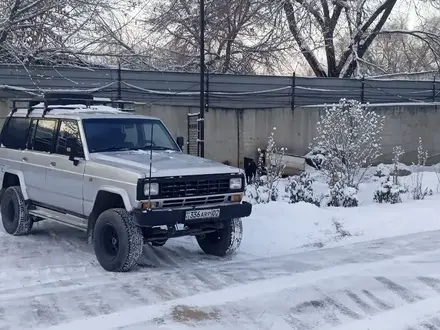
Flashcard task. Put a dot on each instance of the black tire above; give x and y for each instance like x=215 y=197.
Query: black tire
x=117 y=241
x=14 y=211
x=159 y=243
x=223 y=242
x=2 y=191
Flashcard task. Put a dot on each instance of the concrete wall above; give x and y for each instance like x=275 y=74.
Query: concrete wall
x=231 y=135
x=234 y=134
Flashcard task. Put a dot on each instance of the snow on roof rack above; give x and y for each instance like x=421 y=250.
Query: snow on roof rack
x=67 y=101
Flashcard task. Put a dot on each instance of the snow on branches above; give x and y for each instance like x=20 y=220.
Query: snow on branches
x=351 y=138
x=417 y=190
x=269 y=171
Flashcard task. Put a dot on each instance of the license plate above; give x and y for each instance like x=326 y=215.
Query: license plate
x=202 y=214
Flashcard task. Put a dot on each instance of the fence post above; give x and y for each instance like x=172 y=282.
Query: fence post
x=120 y=104
x=207 y=90
x=292 y=99
x=363 y=90
x=433 y=90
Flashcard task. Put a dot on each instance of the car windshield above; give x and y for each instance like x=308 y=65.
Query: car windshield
x=115 y=134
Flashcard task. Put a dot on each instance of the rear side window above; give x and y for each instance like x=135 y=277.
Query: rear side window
x=43 y=132
x=16 y=133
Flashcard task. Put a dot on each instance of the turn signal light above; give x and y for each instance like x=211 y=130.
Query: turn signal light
x=148 y=205
x=236 y=198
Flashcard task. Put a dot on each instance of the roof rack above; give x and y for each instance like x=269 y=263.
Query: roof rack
x=68 y=101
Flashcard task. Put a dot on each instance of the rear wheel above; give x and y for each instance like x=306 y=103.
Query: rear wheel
x=14 y=211
x=117 y=241
x=224 y=241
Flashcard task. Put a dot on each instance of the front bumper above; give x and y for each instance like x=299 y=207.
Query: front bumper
x=167 y=216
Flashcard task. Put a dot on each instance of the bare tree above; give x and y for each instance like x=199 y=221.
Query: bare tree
x=242 y=36
x=403 y=52
x=317 y=25
x=48 y=31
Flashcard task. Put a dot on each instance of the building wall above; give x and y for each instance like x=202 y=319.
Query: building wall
x=231 y=135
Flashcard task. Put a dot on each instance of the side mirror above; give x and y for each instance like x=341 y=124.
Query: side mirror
x=72 y=150
x=180 y=142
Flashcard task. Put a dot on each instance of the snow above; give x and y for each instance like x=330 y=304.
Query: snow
x=279 y=228
x=299 y=267
x=71 y=109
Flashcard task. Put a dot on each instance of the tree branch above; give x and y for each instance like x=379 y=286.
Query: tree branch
x=305 y=49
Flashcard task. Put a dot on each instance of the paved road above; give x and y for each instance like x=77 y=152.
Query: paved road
x=51 y=280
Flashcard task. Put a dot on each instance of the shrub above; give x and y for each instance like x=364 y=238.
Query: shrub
x=417 y=190
x=389 y=192
x=340 y=195
x=350 y=136
x=269 y=172
x=299 y=189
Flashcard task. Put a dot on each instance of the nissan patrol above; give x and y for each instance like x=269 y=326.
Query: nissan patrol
x=119 y=176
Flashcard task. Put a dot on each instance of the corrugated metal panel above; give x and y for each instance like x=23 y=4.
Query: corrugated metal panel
x=226 y=91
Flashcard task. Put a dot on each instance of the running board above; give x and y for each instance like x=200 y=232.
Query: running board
x=63 y=218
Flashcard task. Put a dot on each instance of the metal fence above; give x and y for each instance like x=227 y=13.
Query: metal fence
x=223 y=91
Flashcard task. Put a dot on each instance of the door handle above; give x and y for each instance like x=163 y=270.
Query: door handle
x=25 y=159
x=53 y=164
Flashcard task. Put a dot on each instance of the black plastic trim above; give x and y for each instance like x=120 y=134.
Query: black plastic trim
x=161 y=217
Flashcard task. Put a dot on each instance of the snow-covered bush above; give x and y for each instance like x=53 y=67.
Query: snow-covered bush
x=258 y=194
x=270 y=169
x=299 y=189
x=417 y=190
x=340 y=195
x=351 y=136
x=389 y=192
x=390 y=189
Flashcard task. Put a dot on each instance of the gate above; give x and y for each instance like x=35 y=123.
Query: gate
x=193 y=134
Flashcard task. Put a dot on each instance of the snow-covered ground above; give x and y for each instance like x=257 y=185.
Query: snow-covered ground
x=278 y=227
x=299 y=267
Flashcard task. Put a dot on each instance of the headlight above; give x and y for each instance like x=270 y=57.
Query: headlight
x=235 y=184
x=151 y=189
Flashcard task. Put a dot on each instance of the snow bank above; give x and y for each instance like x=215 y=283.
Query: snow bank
x=280 y=228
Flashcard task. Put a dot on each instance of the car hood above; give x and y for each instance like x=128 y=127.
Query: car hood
x=164 y=163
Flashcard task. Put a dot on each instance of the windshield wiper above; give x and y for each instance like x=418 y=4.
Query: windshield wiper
x=149 y=146
x=112 y=148
x=161 y=148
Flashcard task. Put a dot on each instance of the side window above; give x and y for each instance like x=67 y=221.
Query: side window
x=68 y=129
x=44 y=135
x=16 y=133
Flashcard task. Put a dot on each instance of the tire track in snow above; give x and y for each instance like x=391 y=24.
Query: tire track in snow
x=174 y=278
x=332 y=310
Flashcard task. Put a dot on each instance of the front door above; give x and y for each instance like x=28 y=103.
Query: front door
x=64 y=179
x=36 y=160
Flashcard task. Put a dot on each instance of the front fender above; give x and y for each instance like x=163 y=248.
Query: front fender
x=121 y=192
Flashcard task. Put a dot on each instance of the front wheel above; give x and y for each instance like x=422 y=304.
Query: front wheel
x=117 y=240
x=223 y=242
x=14 y=211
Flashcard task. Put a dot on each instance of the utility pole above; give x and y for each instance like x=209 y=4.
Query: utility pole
x=202 y=80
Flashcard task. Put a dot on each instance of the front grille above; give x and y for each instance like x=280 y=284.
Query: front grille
x=194 y=201
x=194 y=187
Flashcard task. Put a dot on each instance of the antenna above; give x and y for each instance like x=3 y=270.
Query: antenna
x=151 y=164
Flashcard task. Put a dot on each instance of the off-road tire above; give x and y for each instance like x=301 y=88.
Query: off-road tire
x=14 y=211
x=117 y=225
x=223 y=242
